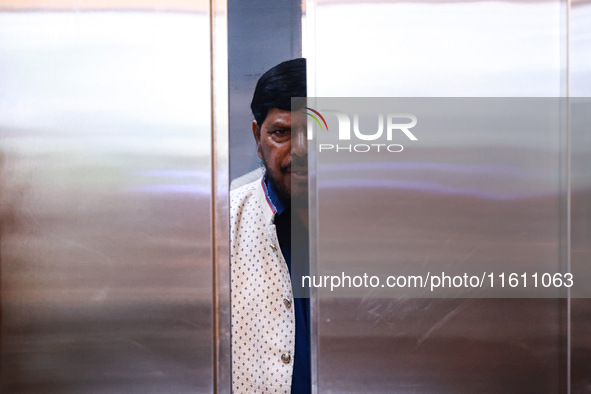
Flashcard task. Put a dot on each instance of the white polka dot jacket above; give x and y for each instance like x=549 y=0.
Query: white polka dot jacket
x=263 y=321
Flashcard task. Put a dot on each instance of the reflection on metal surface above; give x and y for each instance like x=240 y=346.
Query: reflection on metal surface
x=220 y=191
x=580 y=48
x=106 y=272
x=108 y=5
x=470 y=49
x=580 y=86
x=478 y=192
x=431 y=49
x=439 y=346
x=455 y=202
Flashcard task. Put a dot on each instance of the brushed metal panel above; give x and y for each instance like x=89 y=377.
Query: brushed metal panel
x=106 y=144
x=470 y=49
x=439 y=346
x=580 y=88
x=220 y=209
x=580 y=215
x=579 y=48
x=432 y=49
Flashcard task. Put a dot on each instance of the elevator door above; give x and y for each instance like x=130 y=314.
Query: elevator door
x=105 y=171
x=460 y=199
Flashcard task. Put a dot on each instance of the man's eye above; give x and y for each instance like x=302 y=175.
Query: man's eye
x=280 y=131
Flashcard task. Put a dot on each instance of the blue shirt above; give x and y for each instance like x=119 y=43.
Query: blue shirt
x=301 y=380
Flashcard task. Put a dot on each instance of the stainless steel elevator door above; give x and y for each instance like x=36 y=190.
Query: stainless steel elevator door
x=444 y=49
x=106 y=244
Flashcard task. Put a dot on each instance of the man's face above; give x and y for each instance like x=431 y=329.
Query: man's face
x=285 y=165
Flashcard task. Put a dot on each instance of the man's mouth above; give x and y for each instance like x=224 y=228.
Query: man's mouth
x=300 y=171
x=297 y=167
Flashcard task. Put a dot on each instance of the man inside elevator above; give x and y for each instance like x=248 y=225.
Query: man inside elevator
x=270 y=328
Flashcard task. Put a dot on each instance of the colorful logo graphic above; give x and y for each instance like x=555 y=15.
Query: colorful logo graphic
x=316 y=119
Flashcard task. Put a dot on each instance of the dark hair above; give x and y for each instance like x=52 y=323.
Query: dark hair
x=277 y=86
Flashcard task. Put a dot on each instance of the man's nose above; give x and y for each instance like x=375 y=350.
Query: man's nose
x=299 y=143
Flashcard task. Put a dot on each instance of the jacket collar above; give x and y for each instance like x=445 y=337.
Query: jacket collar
x=263 y=199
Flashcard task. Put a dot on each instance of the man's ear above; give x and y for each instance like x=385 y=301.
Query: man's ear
x=256 y=132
